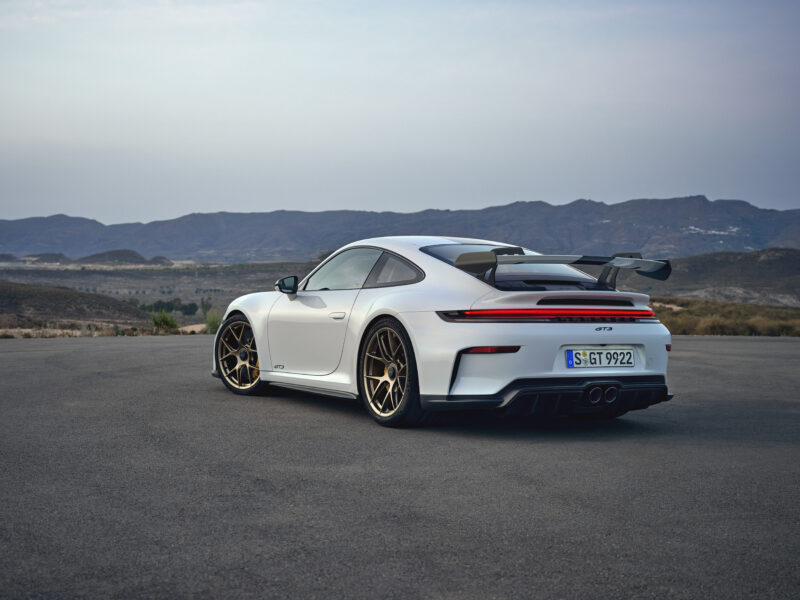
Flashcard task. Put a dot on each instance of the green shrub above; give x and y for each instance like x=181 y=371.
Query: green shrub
x=213 y=320
x=164 y=322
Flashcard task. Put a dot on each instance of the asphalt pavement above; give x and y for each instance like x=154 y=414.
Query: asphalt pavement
x=127 y=471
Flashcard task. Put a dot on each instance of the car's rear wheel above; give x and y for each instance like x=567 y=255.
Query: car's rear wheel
x=237 y=356
x=388 y=375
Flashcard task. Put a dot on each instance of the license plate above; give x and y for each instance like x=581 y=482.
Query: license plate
x=599 y=358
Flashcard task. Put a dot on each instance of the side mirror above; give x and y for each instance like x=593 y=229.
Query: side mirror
x=287 y=285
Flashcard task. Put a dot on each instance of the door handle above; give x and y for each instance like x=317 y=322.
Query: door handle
x=337 y=315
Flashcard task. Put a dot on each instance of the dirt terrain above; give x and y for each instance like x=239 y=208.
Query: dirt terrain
x=190 y=283
x=35 y=306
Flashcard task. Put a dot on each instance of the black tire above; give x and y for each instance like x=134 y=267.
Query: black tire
x=236 y=356
x=391 y=397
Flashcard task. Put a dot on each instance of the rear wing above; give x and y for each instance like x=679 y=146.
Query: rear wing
x=479 y=263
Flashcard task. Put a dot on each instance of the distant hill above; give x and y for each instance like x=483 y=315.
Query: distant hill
x=770 y=276
x=122 y=257
x=112 y=257
x=51 y=258
x=23 y=305
x=674 y=227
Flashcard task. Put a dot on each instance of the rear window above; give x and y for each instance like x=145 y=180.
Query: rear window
x=393 y=270
x=523 y=277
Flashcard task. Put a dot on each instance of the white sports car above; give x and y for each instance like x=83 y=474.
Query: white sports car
x=419 y=324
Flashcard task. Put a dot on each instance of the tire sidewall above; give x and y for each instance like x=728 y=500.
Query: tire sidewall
x=217 y=341
x=410 y=412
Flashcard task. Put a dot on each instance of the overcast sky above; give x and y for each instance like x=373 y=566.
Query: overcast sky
x=146 y=110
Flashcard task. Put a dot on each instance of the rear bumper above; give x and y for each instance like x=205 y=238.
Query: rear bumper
x=561 y=396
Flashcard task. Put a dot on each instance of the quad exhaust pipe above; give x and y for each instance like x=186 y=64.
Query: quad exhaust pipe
x=595 y=394
x=607 y=394
x=611 y=394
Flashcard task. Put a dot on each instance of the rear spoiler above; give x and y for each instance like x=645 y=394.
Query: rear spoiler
x=481 y=262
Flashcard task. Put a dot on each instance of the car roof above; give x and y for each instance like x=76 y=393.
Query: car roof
x=406 y=243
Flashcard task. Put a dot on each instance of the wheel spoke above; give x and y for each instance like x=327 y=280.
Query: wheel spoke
x=383 y=399
x=398 y=349
x=382 y=343
x=389 y=348
x=375 y=357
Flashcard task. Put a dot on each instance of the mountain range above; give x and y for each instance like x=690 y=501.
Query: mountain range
x=675 y=227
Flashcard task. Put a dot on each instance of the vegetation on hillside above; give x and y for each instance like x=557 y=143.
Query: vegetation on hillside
x=213 y=321
x=170 y=306
x=164 y=323
x=22 y=305
x=708 y=317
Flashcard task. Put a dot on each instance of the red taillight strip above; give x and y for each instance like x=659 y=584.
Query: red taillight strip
x=536 y=313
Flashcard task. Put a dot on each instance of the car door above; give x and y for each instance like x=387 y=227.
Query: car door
x=306 y=330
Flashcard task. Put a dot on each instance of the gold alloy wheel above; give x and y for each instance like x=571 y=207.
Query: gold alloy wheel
x=237 y=355
x=385 y=373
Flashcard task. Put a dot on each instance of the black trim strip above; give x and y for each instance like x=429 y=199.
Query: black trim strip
x=636 y=391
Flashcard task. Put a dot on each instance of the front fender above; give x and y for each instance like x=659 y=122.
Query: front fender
x=255 y=307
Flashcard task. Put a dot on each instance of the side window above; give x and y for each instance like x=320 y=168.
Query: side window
x=393 y=271
x=345 y=271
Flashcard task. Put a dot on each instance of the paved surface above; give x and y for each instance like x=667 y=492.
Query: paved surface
x=127 y=471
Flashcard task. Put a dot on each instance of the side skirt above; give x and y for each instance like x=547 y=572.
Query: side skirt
x=313 y=390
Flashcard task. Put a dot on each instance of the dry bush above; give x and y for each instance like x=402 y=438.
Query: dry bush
x=717 y=326
x=680 y=323
x=710 y=317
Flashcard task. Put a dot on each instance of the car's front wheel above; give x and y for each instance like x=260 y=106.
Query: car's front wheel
x=388 y=376
x=236 y=356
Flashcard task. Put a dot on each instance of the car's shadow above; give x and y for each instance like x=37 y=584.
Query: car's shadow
x=487 y=423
